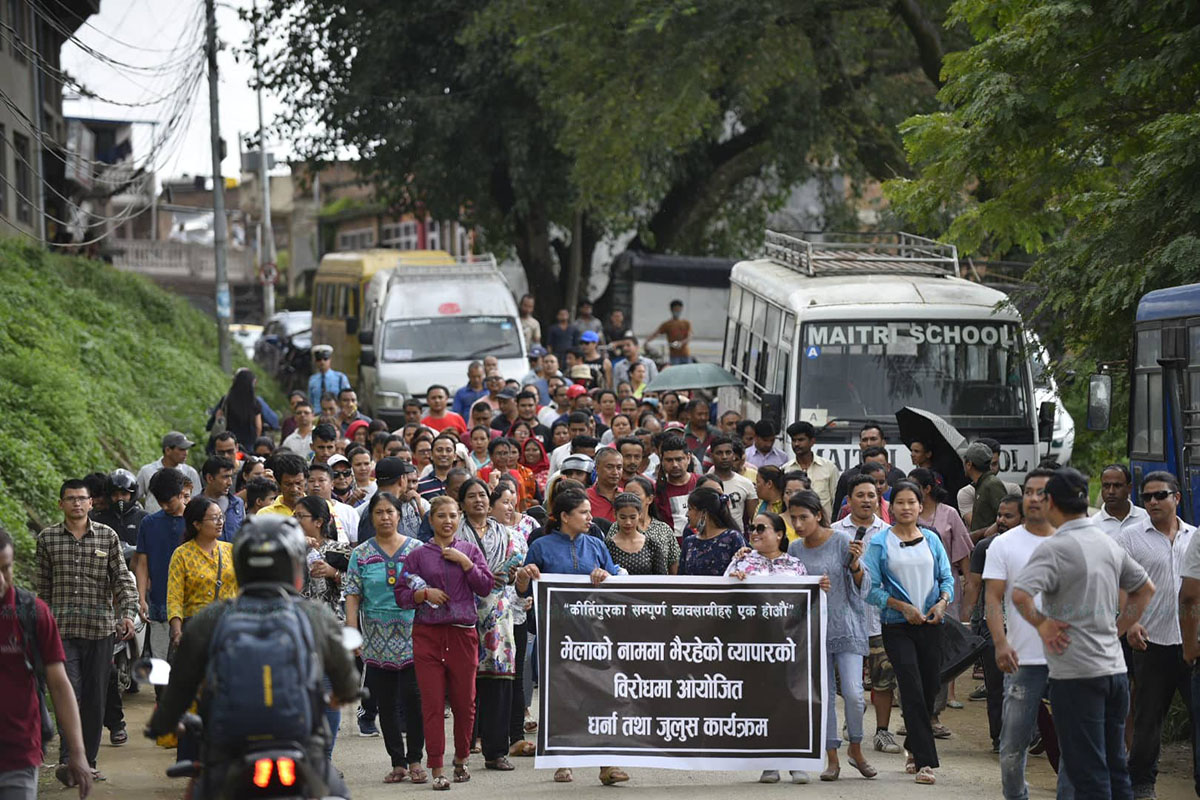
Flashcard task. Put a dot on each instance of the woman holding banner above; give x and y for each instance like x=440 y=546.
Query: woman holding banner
x=824 y=551
x=566 y=549
x=911 y=583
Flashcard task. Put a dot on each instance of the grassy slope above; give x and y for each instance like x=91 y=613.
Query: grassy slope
x=95 y=365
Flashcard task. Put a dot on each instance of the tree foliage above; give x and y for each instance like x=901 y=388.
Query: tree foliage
x=685 y=122
x=1069 y=131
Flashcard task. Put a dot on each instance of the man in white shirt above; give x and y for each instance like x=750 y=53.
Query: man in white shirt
x=1158 y=668
x=1118 y=512
x=743 y=497
x=1019 y=653
x=299 y=441
x=175 y=448
x=879 y=668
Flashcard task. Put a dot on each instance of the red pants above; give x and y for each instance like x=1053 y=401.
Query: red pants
x=445 y=657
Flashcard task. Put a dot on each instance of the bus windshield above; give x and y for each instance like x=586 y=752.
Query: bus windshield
x=971 y=372
x=451 y=338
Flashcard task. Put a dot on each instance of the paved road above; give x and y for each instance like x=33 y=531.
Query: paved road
x=969 y=770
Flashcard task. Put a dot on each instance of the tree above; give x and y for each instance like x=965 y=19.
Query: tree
x=1068 y=131
x=541 y=119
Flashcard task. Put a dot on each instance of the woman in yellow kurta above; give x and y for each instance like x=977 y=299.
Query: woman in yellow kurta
x=201 y=570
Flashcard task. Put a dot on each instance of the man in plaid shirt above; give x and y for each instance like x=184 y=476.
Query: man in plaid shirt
x=82 y=576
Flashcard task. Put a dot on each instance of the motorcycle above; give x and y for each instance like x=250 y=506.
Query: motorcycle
x=127 y=651
x=269 y=769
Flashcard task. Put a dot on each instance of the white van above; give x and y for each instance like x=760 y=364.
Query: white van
x=424 y=325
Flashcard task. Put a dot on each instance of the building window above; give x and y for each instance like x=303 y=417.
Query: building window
x=18 y=22
x=433 y=235
x=24 y=180
x=3 y=173
x=464 y=241
x=400 y=236
x=359 y=239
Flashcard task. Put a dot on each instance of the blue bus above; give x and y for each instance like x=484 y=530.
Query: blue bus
x=1164 y=407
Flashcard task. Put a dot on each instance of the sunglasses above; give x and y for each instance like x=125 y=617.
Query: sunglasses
x=762 y=528
x=341 y=473
x=1163 y=495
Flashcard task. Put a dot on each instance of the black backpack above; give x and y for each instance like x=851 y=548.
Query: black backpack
x=27 y=617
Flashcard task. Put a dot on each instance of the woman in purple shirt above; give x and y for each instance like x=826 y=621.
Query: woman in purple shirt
x=441 y=580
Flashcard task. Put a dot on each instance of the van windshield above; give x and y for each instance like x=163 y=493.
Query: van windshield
x=451 y=338
x=971 y=372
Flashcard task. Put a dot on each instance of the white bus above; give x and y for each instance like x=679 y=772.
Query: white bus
x=840 y=333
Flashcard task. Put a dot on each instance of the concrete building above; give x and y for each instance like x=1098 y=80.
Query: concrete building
x=33 y=133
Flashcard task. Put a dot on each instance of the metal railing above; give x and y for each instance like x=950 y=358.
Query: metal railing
x=179 y=261
x=863 y=254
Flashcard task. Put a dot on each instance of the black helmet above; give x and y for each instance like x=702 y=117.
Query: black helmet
x=269 y=548
x=121 y=480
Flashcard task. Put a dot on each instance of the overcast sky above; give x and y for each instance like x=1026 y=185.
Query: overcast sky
x=137 y=32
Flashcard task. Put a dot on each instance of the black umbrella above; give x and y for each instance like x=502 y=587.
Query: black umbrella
x=919 y=425
x=960 y=647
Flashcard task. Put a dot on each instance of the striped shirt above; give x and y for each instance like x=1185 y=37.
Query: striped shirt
x=80 y=577
x=1162 y=559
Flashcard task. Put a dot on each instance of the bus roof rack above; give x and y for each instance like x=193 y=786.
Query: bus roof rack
x=883 y=253
x=472 y=266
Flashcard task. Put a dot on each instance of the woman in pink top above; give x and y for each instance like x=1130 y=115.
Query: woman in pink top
x=441 y=580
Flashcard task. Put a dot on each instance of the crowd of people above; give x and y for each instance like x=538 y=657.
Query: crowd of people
x=427 y=539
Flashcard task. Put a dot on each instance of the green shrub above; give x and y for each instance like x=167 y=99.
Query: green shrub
x=95 y=366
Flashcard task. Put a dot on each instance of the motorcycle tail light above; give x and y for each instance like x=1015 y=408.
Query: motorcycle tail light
x=262 y=772
x=287 y=771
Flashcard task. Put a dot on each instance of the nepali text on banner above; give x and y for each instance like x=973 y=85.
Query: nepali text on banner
x=681 y=672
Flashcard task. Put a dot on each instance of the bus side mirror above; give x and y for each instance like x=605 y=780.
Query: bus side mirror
x=772 y=409
x=366 y=359
x=1099 y=407
x=351 y=326
x=1046 y=420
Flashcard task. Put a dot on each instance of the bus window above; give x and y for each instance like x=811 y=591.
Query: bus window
x=759 y=323
x=747 y=309
x=1146 y=430
x=789 y=328
x=773 y=315
x=1193 y=392
x=783 y=360
x=735 y=301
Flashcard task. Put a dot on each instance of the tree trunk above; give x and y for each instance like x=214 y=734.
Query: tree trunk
x=531 y=234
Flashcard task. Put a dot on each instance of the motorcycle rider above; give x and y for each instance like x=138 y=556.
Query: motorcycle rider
x=123 y=514
x=269 y=554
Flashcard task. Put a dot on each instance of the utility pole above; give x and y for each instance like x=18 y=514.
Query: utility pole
x=224 y=304
x=268 y=271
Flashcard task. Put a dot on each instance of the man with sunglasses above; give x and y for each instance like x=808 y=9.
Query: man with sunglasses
x=1158 y=668
x=324 y=378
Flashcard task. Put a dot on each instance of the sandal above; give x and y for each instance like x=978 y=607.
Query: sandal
x=530 y=725
x=563 y=775
x=461 y=773
x=910 y=765
x=417 y=775
x=522 y=749
x=501 y=764
x=925 y=776
x=611 y=775
x=397 y=775
x=440 y=783
x=477 y=747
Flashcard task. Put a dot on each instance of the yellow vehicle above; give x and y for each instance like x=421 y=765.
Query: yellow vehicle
x=337 y=296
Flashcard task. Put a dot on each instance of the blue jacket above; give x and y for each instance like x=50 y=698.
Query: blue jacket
x=333 y=381
x=885 y=585
x=557 y=553
x=464 y=398
x=234 y=514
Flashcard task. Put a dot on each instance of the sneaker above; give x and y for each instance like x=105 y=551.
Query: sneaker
x=769 y=776
x=979 y=694
x=1037 y=746
x=366 y=725
x=885 y=742
x=799 y=776
x=996 y=746
x=1144 y=793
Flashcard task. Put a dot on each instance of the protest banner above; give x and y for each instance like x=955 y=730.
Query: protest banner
x=691 y=673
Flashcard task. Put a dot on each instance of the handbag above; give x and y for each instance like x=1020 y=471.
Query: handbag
x=960 y=647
